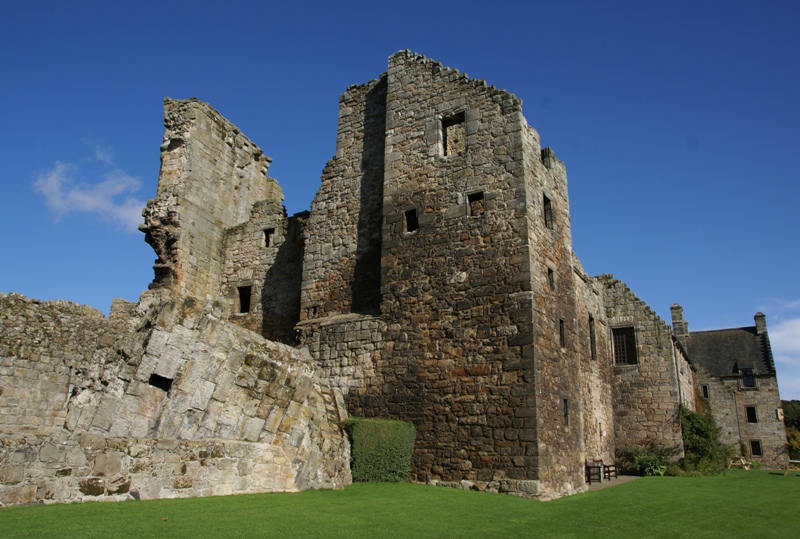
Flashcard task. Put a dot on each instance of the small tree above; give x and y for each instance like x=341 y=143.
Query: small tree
x=704 y=451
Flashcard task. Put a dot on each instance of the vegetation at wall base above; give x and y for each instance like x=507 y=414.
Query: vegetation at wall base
x=704 y=451
x=738 y=504
x=381 y=449
x=648 y=458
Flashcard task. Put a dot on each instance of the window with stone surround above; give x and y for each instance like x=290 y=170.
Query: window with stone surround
x=551 y=279
x=412 y=222
x=592 y=339
x=547 y=211
x=624 y=342
x=562 y=335
x=454 y=136
x=755 y=448
x=748 y=378
x=477 y=205
x=752 y=416
x=705 y=390
x=245 y=293
x=268 y=233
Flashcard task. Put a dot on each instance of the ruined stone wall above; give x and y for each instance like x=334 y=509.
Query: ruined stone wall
x=211 y=175
x=646 y=394
x=596 y=373
x=170 y=395
x=263 y=271
x=341 y=267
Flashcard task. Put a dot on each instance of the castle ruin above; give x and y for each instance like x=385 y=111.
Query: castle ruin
x=433 y=280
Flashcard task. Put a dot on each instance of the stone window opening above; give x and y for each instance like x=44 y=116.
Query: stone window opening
x=547 y=212
x=748 y=378
x=624 y=342
x=477 y=204
x=562 y=335
x=706 y=391
x=565 y=406
x=592 y=339
x=752 y=415
x=412 y=222
x=454 y=139
x=245 y=294
x=161 y=382
x=268 y=233
x=755 y=448
x=551 y=279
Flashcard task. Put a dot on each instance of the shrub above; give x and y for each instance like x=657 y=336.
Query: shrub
x=704 y=452
x=648 y=458
x=381 y=449
x=793 y=441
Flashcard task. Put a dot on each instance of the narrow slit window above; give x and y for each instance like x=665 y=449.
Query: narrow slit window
x=412 y=223
x=454 y=139
x=268 y=233
x=477 y=205
x=565 y=404
x=706 y=391
x=562 y=336
x=752 y=416
x=551 y=279
x=245 y=293
x=547 y=208
x=592 y=339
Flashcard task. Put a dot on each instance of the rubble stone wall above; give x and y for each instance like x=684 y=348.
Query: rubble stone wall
x=166 y=374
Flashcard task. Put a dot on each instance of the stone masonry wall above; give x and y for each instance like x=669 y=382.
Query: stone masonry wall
x=172 y=397
x=210 y=177
x=647 y=394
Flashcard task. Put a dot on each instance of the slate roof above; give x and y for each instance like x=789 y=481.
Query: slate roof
x=725 y=352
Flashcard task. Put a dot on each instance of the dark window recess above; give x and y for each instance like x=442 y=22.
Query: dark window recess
x=755 y=448
x=624 y=340
x=551 y=279
x=706 y=392
x=268 y=233
x=592 y=339
x=412 y=223
x=161 y=382
x=547 y=211
x=748 y=378
x=752 y=417
x=562 y=336
x=565 y=402
x=454 y=139
x=477 y=205
x=244 y=298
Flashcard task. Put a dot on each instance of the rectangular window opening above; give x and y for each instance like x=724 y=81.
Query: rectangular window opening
x=412 y=223
x=562 y=336
x=565 y=403
x=268 y=233
x=752 y=416
x=706 y=392
x=624 y=341
x=477 y=206
x=548 y=212
x=244 y=299
x=748 y=378
x=551 y=279
x=755 y=448
x=161 y=382
x=454 y=139
x=592 y=339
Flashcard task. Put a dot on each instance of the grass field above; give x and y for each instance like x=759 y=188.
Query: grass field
x=740 y=504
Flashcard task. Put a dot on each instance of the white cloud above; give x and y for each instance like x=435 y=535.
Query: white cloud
x=100 y=153
x=109 y=199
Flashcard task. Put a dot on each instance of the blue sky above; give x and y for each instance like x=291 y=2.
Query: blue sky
x=679 y=123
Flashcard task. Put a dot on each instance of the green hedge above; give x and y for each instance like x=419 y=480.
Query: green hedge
x=381 y=449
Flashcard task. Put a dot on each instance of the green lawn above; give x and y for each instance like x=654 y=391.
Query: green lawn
x=740 y=504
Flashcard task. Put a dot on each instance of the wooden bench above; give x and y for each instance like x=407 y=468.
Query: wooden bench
x=792 y=465
x=594 y=471
x=609 y=470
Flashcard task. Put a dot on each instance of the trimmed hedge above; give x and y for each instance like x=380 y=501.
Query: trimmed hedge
x=381 y=449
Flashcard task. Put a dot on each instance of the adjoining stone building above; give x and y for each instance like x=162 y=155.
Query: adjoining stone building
x=432 y=280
